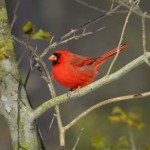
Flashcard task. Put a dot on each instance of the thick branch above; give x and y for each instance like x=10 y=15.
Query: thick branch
x=83 y=91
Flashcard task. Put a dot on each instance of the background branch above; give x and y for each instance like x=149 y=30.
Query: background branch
x=137 y=10
x=93 y=7
x=120 y=40
x=144 y=37
x=144 y=33
x=74 y=31
x=15 y=15
x=105 y=102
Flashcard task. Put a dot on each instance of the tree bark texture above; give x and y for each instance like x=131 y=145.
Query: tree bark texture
x=14 y=105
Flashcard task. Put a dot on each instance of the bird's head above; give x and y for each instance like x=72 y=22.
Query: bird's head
x=60 y=56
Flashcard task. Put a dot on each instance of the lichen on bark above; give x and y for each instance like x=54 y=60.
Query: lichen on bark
x=6 y=43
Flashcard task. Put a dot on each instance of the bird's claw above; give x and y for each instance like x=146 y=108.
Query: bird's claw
x=73 y=90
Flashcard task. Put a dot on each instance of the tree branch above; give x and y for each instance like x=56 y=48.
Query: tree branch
x=50 y=86
x=15 y=15
x=105 y=102
x=93 y=7
x=136 y=10
x=120 y=41
x=144 y=37
x=83 y=91
x=62 y=40
x=144 y=33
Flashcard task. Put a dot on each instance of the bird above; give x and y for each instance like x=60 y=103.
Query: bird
x=73 y=71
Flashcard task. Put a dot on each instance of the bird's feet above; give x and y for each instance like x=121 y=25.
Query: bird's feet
x=73 y=90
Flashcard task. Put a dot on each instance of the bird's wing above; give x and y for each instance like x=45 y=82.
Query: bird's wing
x=80 y=61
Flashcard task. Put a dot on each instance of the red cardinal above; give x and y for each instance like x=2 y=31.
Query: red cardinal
x=73 y=71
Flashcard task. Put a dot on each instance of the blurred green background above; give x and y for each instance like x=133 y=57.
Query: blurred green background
x=59 y=17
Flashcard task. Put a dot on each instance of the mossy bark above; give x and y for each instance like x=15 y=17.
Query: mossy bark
x=14 y=105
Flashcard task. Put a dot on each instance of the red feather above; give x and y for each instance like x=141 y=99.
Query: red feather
x=73 y=71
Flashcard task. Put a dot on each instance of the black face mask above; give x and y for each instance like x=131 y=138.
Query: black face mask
x=56 y=61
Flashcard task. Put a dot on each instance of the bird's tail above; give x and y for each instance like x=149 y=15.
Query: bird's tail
x=107 y=55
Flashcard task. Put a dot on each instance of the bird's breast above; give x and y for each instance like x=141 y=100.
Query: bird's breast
x=72 y=76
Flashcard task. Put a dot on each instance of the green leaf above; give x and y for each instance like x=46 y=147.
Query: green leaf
x=134 y=116
x=121 y=143
x=136 y=123
x=34 y=34
x=28 y=28
x=41 y=35
x=118 y=110
x=118 y=115
x=99 y=142
x=131 y=119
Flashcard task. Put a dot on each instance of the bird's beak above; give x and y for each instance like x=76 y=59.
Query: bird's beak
x=52 y=57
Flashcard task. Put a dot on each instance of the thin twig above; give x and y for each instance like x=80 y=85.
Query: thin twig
x=136 y=10
x=101 y=10
x=37 y=58
x=144 y=38
x=15 y=15
x=28 y=75
x=120 y=41
x=50 y=126
x=131 y=138
x=51 y=41
x=91 y=6
x=78 y=138
x=112 y=5
x=105 y=102
x=75 y=37
x=144 y=33
x=21 y=58
x=40 y=136
x=30 y=68
x=73 y=31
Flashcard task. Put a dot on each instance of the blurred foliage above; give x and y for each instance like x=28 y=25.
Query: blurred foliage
x=148 y=147
x=101 y=143
x=41 y=35
x=118 y=115
x=34 y=34
x=131 y=119
x=121 y=143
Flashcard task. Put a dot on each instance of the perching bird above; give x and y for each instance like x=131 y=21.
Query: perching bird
x=73 y=71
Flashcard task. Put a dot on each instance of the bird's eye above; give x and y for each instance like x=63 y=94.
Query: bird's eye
x=57 y=55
